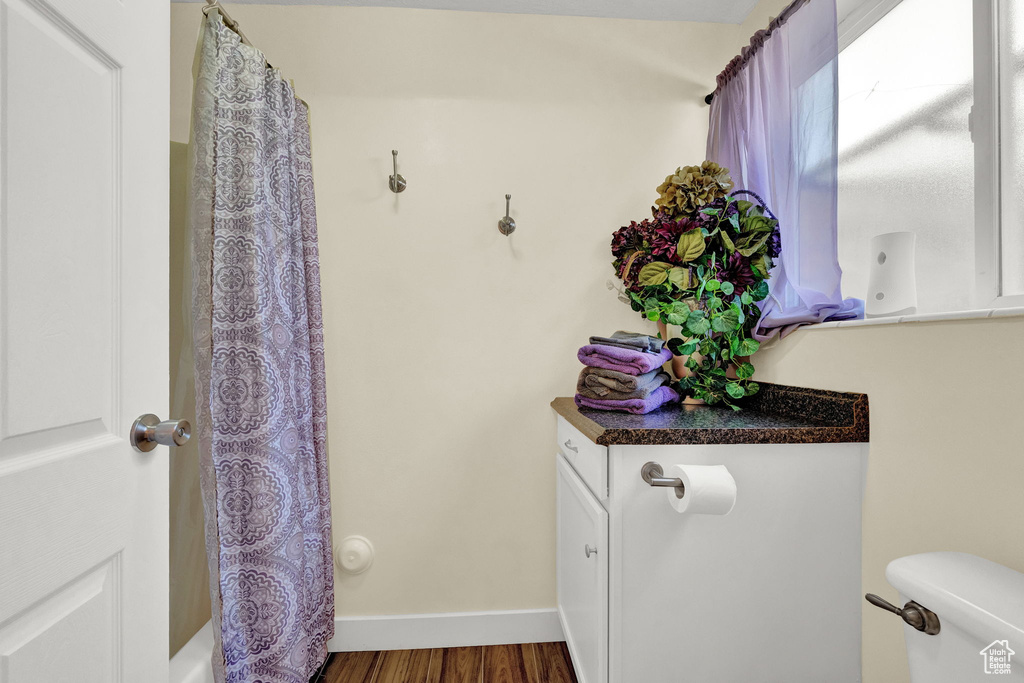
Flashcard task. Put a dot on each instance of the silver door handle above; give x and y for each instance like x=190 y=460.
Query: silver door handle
x=148 y=431
x=589 y=551
x=568 y=444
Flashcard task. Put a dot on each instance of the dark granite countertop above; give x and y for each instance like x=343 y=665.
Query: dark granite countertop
x=776 y=414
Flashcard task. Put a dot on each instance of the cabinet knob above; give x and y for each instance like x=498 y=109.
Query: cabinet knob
x=589 y=551
x=568 y=444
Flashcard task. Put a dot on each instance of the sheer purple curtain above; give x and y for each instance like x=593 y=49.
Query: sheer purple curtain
x=259 y=367
x=773 y=125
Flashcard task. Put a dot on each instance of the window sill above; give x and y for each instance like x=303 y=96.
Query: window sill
x=924 y=318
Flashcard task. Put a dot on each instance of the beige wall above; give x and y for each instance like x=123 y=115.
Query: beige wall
x=445 y=340
x=946 y=468
x=189 y=576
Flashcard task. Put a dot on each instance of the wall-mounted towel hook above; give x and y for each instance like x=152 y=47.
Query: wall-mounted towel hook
x=506 y=224
x=396 y=182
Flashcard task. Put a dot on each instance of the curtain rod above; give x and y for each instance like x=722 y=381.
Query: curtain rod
x=773 y=23
x=228 y=21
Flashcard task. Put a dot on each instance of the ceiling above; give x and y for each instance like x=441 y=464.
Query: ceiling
x=718 y=11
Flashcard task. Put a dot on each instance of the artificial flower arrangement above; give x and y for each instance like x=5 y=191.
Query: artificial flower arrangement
x=702 y=263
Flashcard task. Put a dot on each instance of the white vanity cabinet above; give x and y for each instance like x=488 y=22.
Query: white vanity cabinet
x=769 y=592
x=583 y=575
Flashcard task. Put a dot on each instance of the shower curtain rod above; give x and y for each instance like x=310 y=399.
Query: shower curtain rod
x=228 y=21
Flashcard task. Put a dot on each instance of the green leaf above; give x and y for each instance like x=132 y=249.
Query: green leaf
x=676 y=313
x=746 y=299
x=654 y=273
x=727 y=241
x=653 y=314
x=753 y=388
x=697 y=324
x=752 y=245
x=725 y=321
x=760 y=266
x=712 y=285
x=691 y=245
x=760 y=291
x=735 y=390
x=680 y=277
x=727 y=288
x=713 y=303
x=745 y=371
x=734 y=221
x=673 y=319
x=747 y=347
x=743 y=205
x=682 y=347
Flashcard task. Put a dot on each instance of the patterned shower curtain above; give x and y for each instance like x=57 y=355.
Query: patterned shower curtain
x=259 y=367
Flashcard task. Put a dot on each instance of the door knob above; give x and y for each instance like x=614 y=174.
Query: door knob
x=921 y=618
x=148 y=431
x=589 y=551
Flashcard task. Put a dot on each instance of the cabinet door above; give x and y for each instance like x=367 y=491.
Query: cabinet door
x=583 y=575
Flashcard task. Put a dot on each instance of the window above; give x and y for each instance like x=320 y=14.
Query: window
x=1010 y=22
x=921 y=148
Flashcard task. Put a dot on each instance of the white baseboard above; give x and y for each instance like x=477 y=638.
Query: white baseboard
x=192 y=664
x=453 y=629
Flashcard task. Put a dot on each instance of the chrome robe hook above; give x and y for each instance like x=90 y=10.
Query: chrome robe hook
x=506 y=224
x=395 y=182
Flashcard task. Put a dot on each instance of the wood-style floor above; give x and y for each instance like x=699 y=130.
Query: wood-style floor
x=530 y=663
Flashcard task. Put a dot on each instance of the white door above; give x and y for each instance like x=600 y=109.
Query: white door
x=582 y=573
x=83 y=339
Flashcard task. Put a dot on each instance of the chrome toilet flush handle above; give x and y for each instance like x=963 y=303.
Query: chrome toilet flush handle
x=921 y=618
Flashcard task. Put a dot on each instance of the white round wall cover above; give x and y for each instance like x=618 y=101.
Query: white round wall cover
x=354 y=555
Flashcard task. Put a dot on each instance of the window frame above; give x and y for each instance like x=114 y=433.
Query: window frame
x=984 y=123
x=986 y=127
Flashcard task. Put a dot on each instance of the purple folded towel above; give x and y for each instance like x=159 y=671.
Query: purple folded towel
x=622 y=360
x=638 y=406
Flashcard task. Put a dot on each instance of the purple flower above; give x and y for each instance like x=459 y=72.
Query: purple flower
x=725 y=209
x=737 y=270
x=629 y=271
x=775 y=244
x=626 y=239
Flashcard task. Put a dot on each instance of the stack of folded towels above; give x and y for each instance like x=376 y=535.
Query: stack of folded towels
x=624 y=373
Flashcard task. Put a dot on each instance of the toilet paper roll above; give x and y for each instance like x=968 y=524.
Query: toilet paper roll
x=708 y=489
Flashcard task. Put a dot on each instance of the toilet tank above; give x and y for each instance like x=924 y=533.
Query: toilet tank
x=980 y=605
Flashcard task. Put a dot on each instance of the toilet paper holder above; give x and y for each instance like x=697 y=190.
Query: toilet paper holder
x=654 y=475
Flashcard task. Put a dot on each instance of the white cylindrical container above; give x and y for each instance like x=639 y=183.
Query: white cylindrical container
x=892 y=285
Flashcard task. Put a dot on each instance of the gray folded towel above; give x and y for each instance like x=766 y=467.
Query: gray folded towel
x=598 y=383
x=603 y=379
x=631 y=340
